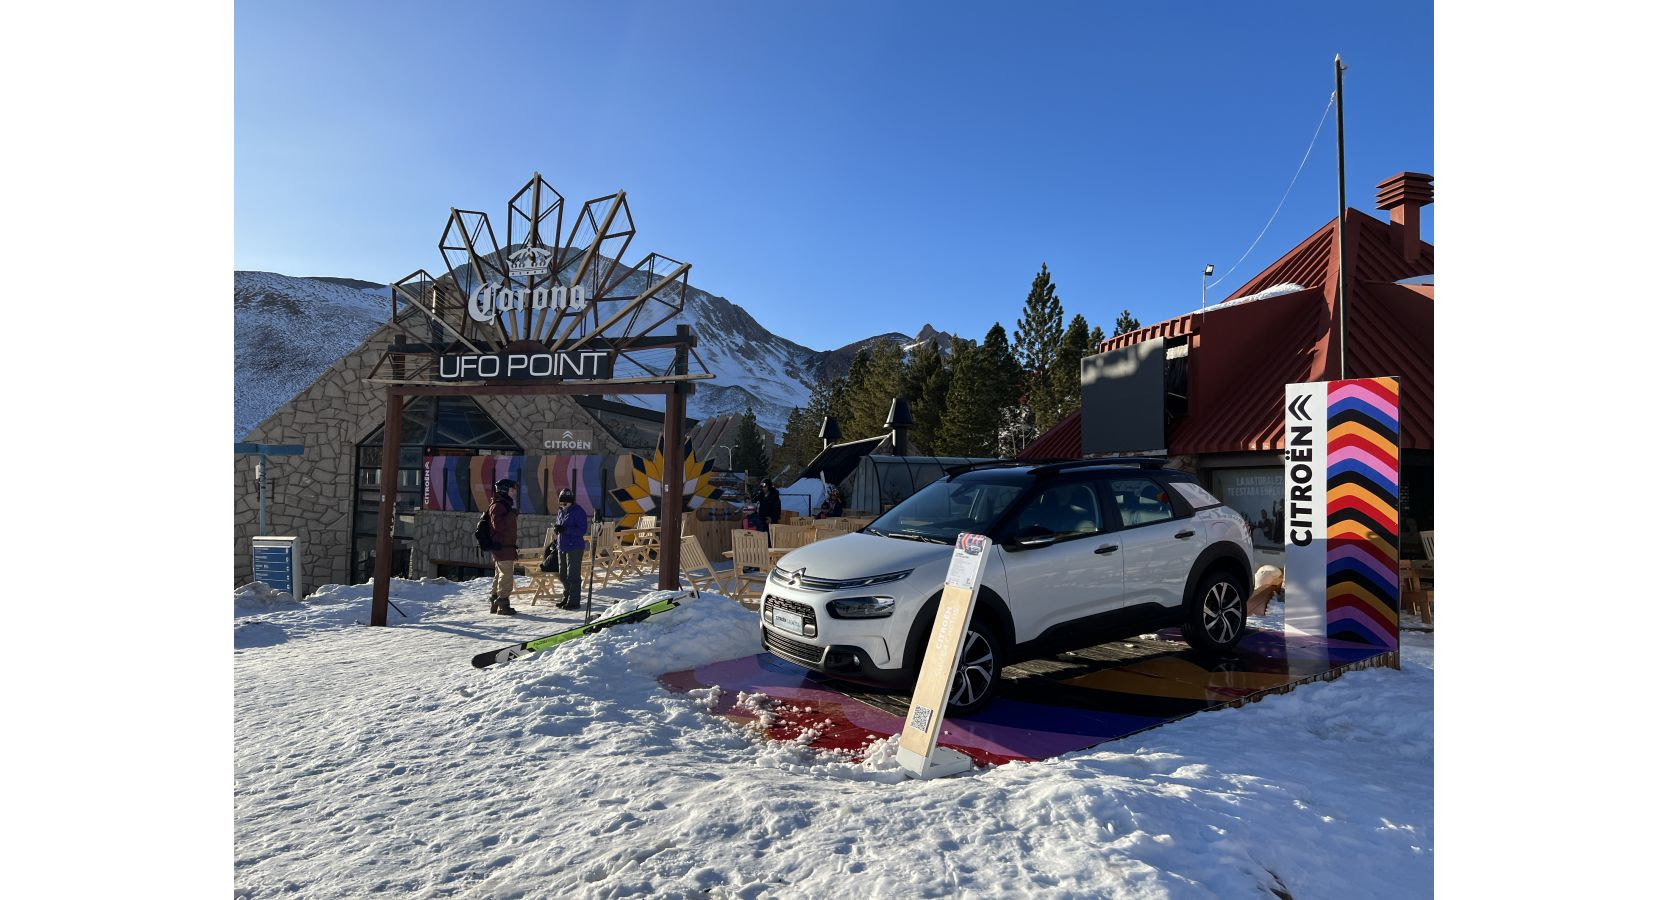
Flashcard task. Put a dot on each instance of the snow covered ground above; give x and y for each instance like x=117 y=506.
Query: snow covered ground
x=377 y=761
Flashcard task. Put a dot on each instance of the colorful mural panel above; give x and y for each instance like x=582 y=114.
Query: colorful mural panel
x=464 y=483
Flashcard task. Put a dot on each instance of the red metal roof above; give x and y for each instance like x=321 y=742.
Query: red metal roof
x=1242 y=356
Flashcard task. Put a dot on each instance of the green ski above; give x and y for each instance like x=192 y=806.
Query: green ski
x=482 y=660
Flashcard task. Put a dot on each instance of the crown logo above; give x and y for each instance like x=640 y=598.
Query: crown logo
x=531 y=259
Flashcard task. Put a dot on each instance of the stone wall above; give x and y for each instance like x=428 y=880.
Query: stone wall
x=450 y=537
x=312 y=495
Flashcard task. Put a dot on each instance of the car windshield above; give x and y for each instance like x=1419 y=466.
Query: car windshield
x=944 y=509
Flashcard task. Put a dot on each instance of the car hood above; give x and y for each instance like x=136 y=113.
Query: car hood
x=862 y=555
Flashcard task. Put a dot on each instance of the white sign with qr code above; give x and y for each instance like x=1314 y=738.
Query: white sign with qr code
x=918 y=750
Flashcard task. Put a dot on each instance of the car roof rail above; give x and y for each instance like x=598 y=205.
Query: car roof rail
x=1144 y=462
x=964 y=468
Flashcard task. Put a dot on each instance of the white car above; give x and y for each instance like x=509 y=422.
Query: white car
x=1082 y=552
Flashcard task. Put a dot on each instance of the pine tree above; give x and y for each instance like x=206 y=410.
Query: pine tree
x=882 y=380
x=1037 y=341
x=799 y=441
x=1096 y=338
x=1067 y=372
x=926 y=382
x=1010 y=382
x=846 y=390
x=970 y=420
x=751 y=456
x=1125 y=324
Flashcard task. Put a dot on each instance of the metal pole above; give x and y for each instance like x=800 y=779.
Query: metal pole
x=1343 y=260
x=591 y=582
x=385 y=512
x=260 y=485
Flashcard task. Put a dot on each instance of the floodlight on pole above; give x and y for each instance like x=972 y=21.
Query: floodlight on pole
x=1209 y=270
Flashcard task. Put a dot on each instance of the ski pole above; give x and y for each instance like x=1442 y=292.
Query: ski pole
x=590 y=583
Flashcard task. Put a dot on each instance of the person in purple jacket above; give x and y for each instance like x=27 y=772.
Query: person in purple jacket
x=571 y=525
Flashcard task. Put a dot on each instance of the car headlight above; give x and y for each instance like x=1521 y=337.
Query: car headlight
x=861 y=607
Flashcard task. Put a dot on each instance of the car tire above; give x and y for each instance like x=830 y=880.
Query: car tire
x=978 y=673
x=1215 y=614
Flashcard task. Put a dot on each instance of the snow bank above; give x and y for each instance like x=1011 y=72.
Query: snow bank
x=377 y=760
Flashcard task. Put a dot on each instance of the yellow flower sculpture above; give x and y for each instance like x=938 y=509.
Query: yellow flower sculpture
x=640 y=495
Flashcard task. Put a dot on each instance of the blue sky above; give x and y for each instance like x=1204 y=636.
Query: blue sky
x=839 y=169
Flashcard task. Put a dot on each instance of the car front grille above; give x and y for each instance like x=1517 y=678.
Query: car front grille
x=772 y=601
x=788 y=648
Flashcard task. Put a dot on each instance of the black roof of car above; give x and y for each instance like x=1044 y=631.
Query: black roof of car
x=1042 y=468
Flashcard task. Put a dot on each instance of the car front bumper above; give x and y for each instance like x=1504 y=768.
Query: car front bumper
x=847 y=662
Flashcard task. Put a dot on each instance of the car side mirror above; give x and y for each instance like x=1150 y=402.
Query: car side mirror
x=1034 y=536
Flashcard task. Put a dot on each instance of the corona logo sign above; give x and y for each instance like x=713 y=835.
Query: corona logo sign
x=531 y=259
x=542 y=295
x=488 y=300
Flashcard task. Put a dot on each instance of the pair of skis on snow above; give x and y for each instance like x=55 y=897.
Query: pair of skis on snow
x=528 y=648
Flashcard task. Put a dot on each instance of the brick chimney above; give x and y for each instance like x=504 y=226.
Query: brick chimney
x=1402 y=195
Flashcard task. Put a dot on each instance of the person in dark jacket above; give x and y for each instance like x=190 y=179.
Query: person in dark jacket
x=833 y=506
x=770 y=505
x=503 y=519
x=569 y=546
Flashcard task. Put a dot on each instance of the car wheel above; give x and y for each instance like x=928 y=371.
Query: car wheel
x=978 y=672
x=1216 y=616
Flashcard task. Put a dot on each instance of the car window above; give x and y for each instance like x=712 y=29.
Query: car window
x=1195 y=495
x=943 y=509
x=1140 y=501
x=1068 y=508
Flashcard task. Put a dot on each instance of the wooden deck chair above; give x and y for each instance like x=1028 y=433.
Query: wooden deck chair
x=828 y=528
x=699 y=571
x=616 y=560
x=543 y=585
x=792 y=535
x=751 y=550
x=1415 y=598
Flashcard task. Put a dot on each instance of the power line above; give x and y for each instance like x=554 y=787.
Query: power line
x=1324 y=113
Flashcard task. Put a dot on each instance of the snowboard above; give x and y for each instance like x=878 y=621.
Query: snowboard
x=528 y=648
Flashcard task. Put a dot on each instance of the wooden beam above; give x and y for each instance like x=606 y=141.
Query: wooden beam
x=394 y=419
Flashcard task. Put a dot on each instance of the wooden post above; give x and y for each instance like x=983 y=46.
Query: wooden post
x=671 y=475
x=385 y=513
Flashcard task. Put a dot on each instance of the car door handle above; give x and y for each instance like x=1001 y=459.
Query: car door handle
x=1107 y=548
x=1182 y=535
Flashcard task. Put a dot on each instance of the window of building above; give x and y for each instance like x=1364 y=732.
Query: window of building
x=429 y=426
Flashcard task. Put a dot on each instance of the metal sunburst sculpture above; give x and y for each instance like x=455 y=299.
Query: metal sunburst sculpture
x=641 y=496
x=541 y=292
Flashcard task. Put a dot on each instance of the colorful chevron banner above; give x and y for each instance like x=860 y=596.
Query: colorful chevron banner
x=1343 y=524
x=464 y=483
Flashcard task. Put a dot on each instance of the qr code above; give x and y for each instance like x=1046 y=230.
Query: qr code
x=919 y=718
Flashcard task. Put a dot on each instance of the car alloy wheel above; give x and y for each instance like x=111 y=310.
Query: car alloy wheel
x=976 y=672
x=1216 y=616
x=1223 y=612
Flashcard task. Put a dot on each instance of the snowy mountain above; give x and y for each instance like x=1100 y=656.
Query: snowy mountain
x=289 y=330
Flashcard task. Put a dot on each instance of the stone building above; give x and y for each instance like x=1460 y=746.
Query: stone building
x=329 y=495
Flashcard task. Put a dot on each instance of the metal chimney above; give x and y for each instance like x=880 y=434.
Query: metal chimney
x=1402 y=195
x=830 y=433
x=898 y=421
